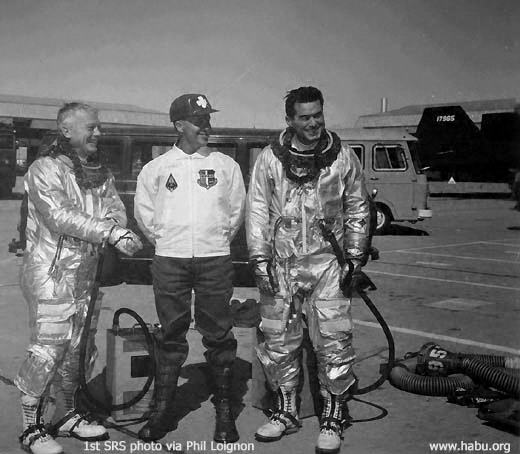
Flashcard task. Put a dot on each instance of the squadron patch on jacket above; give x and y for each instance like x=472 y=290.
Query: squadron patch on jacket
x=171 y=184
x=207 y=178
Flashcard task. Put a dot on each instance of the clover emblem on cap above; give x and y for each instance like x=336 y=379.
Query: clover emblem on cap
x=202 y=102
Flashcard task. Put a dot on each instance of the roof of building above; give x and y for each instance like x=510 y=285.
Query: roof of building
x=20 y=99
x=42 y=111
x=409 y=116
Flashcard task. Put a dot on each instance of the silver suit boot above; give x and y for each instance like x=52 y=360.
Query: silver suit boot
x=284 y=419
x=334 y=419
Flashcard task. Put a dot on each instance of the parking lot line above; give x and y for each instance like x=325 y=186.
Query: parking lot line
x=497 y=242
x=433 y=247
x=476 y=284
x=459 y=256
x=440 y=337
x=432 y=263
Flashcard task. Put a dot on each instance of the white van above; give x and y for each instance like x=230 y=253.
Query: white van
x=392 y=168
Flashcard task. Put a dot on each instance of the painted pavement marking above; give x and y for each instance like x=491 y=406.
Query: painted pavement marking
x=442 y=337
x=458 y=304
x=476 y=284
x=432 y=263
x=432 y=247
x=461 y=256
x=495 y=243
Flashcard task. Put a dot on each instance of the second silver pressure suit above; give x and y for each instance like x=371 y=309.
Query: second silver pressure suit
x=282 y=223
x=64 y=226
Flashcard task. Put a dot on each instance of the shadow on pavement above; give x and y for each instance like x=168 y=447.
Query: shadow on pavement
x=198 y=389
x=13 y=196
x=189 y=396
x=403 y=230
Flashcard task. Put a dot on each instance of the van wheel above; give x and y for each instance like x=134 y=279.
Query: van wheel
x=383 y=220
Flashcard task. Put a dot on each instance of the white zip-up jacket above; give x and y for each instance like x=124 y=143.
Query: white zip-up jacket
x=190 y=205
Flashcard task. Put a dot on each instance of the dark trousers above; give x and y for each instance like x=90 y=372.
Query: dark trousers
x=211 y=278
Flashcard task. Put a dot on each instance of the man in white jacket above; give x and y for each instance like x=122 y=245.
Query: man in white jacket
x=189 y=203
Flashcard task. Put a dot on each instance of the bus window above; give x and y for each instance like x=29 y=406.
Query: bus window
x=6 y=141
x=158 y=150
x=254 y=151
x=144 y=150
x=389 y=157
x=359 y=151
x=229 y=149
x=112 y=154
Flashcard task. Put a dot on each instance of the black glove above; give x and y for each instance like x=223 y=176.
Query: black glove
x=357 y=279
x=265 y=280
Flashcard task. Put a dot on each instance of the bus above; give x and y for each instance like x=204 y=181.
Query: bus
x=7 y=160
x=393 y=172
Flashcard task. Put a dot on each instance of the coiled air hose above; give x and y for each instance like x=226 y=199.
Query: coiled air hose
x=434 y=371
x=491 y=376
x=403 y=377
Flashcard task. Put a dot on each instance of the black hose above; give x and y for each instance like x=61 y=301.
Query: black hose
x=404 y=379
x=389 y=339
x=490 y=360
x=489 y=370
x=84 y=340
x=492 y=376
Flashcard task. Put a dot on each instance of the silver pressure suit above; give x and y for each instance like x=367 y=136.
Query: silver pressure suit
x=282 y=224
x=65 y=224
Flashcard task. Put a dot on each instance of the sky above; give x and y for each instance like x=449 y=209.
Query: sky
x=246 y=54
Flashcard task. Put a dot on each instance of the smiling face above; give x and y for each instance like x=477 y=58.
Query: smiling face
x=194 y=131
x=82 y=128
x=308 y=121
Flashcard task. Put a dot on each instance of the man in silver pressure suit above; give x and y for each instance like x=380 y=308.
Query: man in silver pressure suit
x=303 y=182
x=73 y=207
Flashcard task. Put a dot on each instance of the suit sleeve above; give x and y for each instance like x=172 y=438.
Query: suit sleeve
x=258 y=229
x=356 y=210
x=113 y=206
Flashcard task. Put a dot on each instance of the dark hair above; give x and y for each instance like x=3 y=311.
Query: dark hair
x=301 y=95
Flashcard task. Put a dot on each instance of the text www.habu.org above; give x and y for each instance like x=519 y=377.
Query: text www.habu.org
x=471 y=446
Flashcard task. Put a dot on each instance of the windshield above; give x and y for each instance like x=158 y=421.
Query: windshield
x=6 y=141
x=413 y=145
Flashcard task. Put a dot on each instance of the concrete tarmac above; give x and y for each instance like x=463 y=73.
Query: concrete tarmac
x=454 y=280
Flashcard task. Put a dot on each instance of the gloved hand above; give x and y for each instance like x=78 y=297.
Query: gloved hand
x=266 y=282
x=352 y=281
x=124 y=240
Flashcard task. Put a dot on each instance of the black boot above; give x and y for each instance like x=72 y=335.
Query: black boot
x=161 y=413
x=225 y=428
